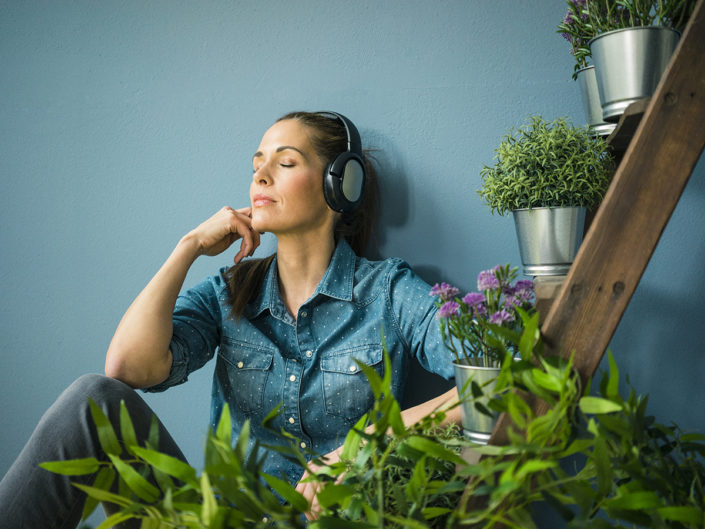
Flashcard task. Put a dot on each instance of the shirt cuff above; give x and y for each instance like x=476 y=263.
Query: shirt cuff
x=179 y=368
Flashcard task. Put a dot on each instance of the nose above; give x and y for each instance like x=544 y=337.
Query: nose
x=261 y=175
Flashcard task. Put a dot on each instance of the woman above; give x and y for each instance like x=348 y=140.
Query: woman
x=287 y=329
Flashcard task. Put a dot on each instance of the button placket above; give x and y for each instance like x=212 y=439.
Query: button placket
x=292 y=393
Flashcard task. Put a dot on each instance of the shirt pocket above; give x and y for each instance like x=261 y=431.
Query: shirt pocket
x=247 y=371
x=346 y=391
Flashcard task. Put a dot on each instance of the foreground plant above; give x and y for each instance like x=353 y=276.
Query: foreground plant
x=599 y=461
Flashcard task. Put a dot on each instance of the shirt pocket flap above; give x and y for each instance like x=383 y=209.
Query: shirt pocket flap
x=243 y=356
x=344 y=361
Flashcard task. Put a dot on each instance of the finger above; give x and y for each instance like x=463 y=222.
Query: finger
x=245 y=211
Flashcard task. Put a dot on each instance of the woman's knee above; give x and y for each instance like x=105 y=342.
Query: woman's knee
x=101 y=389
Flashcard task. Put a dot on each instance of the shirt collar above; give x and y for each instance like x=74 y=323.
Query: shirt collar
x=336 y=283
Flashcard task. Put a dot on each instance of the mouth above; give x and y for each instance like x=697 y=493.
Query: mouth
x=261 y=200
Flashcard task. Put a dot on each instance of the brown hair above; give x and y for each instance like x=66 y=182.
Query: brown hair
x=329 y=139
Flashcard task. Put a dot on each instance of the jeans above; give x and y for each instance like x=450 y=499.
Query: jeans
x=34 y=498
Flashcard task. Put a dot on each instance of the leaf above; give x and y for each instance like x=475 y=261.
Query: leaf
x=286 y=491
x=533 y=466
x=598 y=405
x=419 y=479
x=433 y=512
x=603 y=467
x=546 y=381
x=209 y=507
x=432 y=448
x=115 y=519
x=224 y=429
x=104 y=480
x=127 y=429
x=104 y=495
x=353 y=439
x=106 y=434
x=639 y=500
x=168 y=464
x=613 y=380
x=137 y=484
x=72 y=467
x=686 y=514
x=333 y=493
x=243 y=439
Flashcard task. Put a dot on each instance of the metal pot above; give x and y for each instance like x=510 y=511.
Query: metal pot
x=549 y=238
x=587 y=81
x=629 y=63
x=477 y=426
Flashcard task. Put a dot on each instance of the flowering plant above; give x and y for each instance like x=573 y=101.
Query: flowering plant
x=577 y=30
x=586 y=19
x=469 y=325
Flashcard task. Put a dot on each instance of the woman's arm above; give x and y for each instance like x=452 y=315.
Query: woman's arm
x=450 y=397
x=139 y=352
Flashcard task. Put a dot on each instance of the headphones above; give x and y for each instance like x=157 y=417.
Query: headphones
x=344 y=178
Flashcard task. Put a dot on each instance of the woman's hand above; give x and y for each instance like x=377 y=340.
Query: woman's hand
x=309 y=490
x=216 y=234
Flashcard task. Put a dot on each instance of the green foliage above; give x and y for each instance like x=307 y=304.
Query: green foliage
x=164 y=492
x=586 y=19
x=545 y=164
x=596 y=458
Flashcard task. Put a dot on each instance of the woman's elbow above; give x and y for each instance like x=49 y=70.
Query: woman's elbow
x=138 y=371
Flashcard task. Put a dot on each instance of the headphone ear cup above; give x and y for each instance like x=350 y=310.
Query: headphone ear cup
x=343 y=182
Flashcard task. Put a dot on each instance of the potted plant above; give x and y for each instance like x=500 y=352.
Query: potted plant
x=577 y=31
x=630 y=42
x=548 y=174
x=469 y=329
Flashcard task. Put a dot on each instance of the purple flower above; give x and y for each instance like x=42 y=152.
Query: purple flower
x=448 y=309
x=524 y=290
x=444 y=291
x=511 y=301
x=487 y=280
x=501 y=316
x=473 y=298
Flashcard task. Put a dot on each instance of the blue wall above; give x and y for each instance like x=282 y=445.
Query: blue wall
x=124 y=124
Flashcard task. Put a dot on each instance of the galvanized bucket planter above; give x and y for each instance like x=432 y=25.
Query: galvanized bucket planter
x=549 y=238
x=629 y=64
x=587 y=81
x=477 y=426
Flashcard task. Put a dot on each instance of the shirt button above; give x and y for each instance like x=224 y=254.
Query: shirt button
x=303 y=445
x=291 y=420
x=309 y=354
x=240 y=365
x=352 y=368
x=304 y=314
x=292 y=378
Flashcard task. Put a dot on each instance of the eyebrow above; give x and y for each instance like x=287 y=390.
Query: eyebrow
x=283 y=148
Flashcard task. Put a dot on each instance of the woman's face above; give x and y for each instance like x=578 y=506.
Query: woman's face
x=287 y=187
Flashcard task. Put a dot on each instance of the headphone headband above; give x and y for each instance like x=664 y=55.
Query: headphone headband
x=353 y=136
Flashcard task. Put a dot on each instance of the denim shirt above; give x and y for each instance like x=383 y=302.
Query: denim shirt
x=307 y=365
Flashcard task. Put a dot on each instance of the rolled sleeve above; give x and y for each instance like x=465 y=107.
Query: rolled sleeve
x=196 y=331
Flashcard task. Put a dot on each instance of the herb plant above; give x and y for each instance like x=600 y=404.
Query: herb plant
x=547 y=164
x=467 y=322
